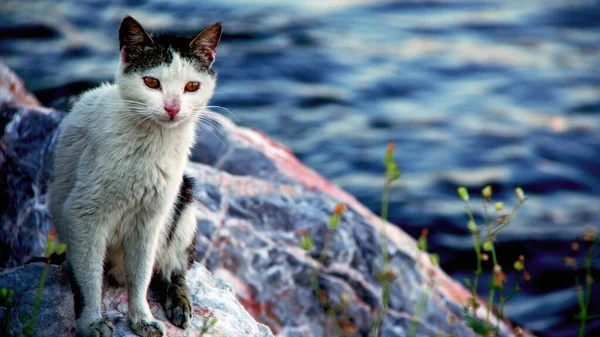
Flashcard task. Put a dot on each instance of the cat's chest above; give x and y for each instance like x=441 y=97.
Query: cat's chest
x=147 y=174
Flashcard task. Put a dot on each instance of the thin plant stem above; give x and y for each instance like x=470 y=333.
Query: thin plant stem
x=38 y=297
x=386 y=291
x=477 y=248
x=326 y=246
x=510 y=218
x=385 y=199
x=584 y=293
x=489 y=304
x=386 y=284
x=582 y=308
x=8 y=300
x=503 y=300
x=324 y=302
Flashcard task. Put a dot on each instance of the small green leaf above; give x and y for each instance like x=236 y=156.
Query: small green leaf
x=61 y=248
x=49 y=247
x=3 y=292
x=392 y=171
x=520 y=194
x=307 y=243
x=487 y=192
x=463 y=193
x=435 y=259
x=334 y=221
x=518 y=265
x=422 y=243
x=467 y=282
x=212 y=321
x=488 y=246
x=472 y=226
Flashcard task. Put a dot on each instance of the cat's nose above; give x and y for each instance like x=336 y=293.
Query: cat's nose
x=172 y=110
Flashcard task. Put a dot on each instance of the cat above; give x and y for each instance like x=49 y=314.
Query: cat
x=118 y=195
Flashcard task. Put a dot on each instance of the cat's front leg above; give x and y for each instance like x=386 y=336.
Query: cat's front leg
x=86 y=247
x=139 y=255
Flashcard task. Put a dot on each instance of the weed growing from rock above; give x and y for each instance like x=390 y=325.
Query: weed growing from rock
x=387 y=276
x=491 y=229
x=307 y=244
x=207 y=324
x=6 y=301
x=48 y=252
x=422 y=246
x=590 y=240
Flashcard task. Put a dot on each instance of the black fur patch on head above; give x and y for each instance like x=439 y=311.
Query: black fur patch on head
x=184 y=198
x=142 y=52
x=161 y=52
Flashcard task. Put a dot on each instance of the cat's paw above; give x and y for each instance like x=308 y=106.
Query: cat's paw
x=100 y=328
x=148 y=328
x=179 y=310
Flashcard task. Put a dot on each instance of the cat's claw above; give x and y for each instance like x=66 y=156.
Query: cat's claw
x=148 y=328
x=179 y=311
x=100 y=328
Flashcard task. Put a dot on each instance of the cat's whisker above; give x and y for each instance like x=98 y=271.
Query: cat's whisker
x=142 y=120
x=211 y=126
x=219 y=138
x=223 y=109
x=205 y=112
x=210 y=119
x=128 y=105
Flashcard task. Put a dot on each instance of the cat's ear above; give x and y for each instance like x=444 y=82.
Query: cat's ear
x=206 y=42
x=132 y=38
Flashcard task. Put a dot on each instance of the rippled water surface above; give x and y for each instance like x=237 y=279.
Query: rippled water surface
x=505 y=93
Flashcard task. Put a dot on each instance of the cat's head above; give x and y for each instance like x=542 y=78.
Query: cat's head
x=166 y=78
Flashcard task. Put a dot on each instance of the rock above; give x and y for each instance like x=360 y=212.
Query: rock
x=256 y=201
x=12 y=90
x=211 y=298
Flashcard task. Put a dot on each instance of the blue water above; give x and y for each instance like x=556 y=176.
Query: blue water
x=505 y=93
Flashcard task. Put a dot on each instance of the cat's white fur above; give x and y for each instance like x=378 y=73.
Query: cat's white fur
x=118 y=167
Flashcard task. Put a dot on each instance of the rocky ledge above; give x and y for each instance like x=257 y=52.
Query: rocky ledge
x=211 y=299
x=256 y=201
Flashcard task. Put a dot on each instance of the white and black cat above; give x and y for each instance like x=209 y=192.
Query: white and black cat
x=118 y=195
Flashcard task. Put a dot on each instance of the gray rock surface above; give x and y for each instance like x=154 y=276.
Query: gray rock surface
x=256 y=199
x=211 y=298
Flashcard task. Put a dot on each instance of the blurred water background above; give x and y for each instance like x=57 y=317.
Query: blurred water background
x=505 y=93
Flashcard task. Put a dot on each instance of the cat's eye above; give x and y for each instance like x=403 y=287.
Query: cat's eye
x=151 y=82
x=192 y=86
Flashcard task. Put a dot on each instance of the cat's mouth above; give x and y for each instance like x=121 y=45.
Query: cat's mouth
x=170 y=121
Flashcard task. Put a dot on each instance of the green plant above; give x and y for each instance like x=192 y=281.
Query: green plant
x=50 y=249
x=584 y=292
x=387 y=276
x=422 y=249
x=207 y=324
x=307 y=244
x=6 y=301
x=492 y=229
